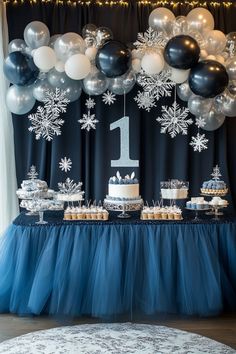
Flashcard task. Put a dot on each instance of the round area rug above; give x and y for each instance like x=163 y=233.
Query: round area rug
x=113 y=338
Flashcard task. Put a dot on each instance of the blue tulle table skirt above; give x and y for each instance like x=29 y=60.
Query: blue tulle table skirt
x=106 y=269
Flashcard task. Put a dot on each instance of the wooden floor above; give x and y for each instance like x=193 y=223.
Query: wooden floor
x=222 y=329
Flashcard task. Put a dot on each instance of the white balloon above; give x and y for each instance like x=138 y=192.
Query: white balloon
x=215 y=42
x=91 y=53
x=77 y=67
x=203 y=54
x=60 y=66
x=152 y=63
x=136 y=65
x=136 y=54
x=44 y=58
x=179 y=76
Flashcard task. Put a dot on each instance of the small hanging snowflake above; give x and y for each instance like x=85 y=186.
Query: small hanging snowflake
x=199 y=142
x=173 y=120
x=158 y=85
x=145 y=100
x=109 y=98
x=216 y=173
x=56 y=101
x=45 y=124
x=200 y=122
x=90 y=103
x=88 y=121
x=150 y=40
x=32 y=174
x=65 y=164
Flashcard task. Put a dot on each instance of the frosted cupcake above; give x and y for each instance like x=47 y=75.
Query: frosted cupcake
x=67 y=214
x=105 y=215
x=73 y=213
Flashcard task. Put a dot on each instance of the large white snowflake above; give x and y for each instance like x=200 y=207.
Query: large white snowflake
x=32 y=174
x=45 y=124
x=65 y=164
x=109 y=98
x=174 y=120
x=69 y=187
x=158 y=85
x=199 y=142
x=88 y=121
x=56 y=101
x=90 y=103
x=200 y=122
x=145 y=100
x=150 y=40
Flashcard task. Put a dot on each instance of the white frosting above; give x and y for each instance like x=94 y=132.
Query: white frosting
x=69 y=197
x=171 y=193
x=123 y=190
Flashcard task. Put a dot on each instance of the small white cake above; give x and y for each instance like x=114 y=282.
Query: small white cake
x=126 y=188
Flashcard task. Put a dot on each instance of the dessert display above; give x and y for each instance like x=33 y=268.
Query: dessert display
x=161 y=213
x=174 y=189
x=218 y=201
x=86 y=213
x=197 y=203
x=69 y=191
x=40 y=205
x=215 y=186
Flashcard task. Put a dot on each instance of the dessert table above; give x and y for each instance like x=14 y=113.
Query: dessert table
x=118 y=266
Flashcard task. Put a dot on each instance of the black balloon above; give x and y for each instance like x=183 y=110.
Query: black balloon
x=182 y=52
x=208 y=78
x=20 y=69
x=113 y=59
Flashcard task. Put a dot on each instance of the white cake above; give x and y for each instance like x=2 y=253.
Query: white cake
x=123 y=189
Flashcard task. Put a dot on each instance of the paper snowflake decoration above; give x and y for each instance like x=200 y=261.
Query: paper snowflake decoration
x=88 y=121
x=216 y=173
x=45 y=124
x=150 y=40
x=56 y=101
x=145 y=100
x=158 y=85
x=200 y=122
x=109 y=98
x=174 y=120
x=32 y=174
x=69 y=187
x=199 y=142
x=65 y=164
x=90 y=103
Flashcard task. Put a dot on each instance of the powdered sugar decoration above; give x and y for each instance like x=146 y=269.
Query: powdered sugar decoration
x=65 y=164
x=174 y=120
x=199 y=142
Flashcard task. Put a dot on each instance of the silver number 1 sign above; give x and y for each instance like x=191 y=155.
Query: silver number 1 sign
x=124 y=160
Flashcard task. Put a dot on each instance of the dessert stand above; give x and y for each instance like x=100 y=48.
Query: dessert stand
x=39 y=206
x=214 y=209
x=37 y=195
x=123 y=206
x=197 y=211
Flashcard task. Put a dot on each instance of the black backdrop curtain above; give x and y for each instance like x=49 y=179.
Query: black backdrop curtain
x=160 y=157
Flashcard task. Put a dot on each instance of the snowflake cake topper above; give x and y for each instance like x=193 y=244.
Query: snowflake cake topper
x=88 y=121
x=174 y=120
x=145 y=100
x=69 y=187
x=216 y=173
x=65 y=164
x=90 y=103
x=109 y=98
x=150 y=40
x=46 y=123
x=32 y=174
x=199 y=142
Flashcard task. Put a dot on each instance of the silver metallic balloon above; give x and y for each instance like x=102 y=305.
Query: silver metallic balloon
x=213 y=120
x=231 y=42
x=89 y=30
x=20 y=99
x=198 y=105
x=161 y=19
x=103 y=34
x=40 y=87
x=36 y=34
x=53 y=40
x=73 y=90
x=69 y=44
x=180 y=26
x=57 y=79
x=184 y=91
x=96 y=83
x=232 y=87
x=231 y=68
x=228 y=104
x=122 y=84
x=17 y=45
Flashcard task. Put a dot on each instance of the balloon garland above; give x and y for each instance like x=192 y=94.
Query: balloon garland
x=183 y=52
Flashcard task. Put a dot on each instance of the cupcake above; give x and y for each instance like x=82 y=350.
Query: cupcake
x=73 y=213
x=67 y=214
x=105 y=215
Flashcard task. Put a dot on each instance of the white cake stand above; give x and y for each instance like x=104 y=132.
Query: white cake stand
x=123 y=206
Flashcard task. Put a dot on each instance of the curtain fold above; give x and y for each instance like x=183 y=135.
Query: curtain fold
x=8 y=200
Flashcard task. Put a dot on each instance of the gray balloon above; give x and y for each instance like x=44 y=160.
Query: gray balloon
x=96 y=83
x=232 y=87
x=36 y=34
x=57 y=79
x=73 y=90
x=198 y=105
x=184 y=92
x=39 y=89
x=69 y=44
x=231 y=68
x=60 y=80
x=20 y=99
x=213 y=120
x=122 y=84
x=17 y=45
x=103 y=34
x=228 y=107
x=53 y=40
x=89 y=34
